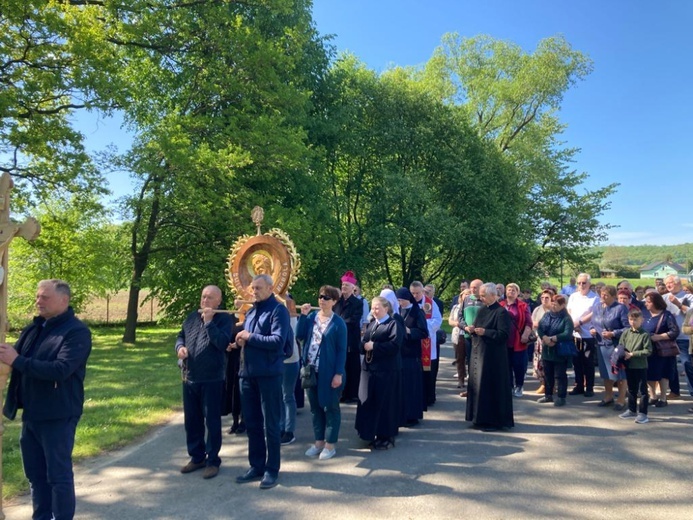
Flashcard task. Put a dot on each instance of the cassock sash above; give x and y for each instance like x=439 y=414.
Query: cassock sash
x=426 y=342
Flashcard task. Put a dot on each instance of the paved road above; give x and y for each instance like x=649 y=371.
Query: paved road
x=578 y=462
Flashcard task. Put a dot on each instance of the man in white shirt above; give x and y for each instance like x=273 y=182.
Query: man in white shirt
x=580 y=309
x=678 y=302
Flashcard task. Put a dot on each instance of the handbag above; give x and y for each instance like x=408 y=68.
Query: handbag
x=309 y=377
x=665 y=347
x=566 y=349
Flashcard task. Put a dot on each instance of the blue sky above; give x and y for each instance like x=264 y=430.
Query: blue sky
x=631 y=118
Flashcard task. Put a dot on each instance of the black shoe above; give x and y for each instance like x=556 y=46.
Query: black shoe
x=287 y=438
x=249 y=476
x=589 y=393
x=661 y=404
x=268 y=481
x=240 y=429
x=383 y=444
x=576 y=391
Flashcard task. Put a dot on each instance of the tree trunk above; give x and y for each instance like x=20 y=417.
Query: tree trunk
x=131 y=319
x=140 y=258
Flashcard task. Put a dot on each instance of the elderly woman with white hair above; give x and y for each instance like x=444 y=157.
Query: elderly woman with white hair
x=489 y=399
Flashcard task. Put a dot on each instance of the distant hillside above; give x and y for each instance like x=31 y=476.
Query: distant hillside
x=637 y=256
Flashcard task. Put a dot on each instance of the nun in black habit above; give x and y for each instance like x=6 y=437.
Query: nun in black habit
x=415 y=330
x=377 y=412
x=489 y=398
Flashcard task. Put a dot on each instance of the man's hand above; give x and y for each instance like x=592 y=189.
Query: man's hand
x=183 y=352
x=7 y=353
x=207 y=314
x=337 y=381
x=242 y=338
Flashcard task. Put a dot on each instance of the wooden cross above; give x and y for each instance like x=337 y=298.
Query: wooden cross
x=9 y=229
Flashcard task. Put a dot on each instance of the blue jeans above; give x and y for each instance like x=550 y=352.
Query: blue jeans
x=47 y=456
x=287 y=423
x=327 y=420
x=202 y=405
x=261 y=401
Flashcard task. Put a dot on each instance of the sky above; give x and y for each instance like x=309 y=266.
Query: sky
x=631 y=117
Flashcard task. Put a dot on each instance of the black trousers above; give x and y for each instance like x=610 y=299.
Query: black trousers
x=637 y=382
x=584 y=363
x=47 y=457
x=352 y=370
x=555 y=372
x=429 y=383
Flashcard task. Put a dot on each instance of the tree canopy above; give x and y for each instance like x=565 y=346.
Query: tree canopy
x=452 y=169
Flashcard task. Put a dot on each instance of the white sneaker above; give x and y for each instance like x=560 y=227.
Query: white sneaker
x=518 y=391
x=642 y=418
x=327 y=454
x=313 y=451
x=627 y=414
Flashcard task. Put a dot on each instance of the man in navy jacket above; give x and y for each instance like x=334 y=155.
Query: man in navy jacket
x=265 y=340
x=201 y=347
x=49 y=364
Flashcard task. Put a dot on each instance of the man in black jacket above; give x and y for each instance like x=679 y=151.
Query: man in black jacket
x=201 y=346
x=350 y=309
x=49 y=364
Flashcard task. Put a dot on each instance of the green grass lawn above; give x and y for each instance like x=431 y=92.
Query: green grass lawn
x=128 y=390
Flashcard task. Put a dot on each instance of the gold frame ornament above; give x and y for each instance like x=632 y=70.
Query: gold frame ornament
x=271 y=253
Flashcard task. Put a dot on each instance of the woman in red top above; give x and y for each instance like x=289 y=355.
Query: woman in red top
x=521 y=320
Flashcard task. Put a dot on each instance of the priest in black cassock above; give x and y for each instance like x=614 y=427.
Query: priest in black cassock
x=489 y=398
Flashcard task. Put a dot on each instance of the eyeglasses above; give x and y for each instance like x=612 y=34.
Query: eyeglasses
x=582 y=283
x=324 y=297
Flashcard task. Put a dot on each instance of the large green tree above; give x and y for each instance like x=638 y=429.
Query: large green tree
x=221 y=99
x=415 y=193
x=78 y=244
x=54 y=60
x=512 y=98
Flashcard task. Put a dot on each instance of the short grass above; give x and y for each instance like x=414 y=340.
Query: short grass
x=128 y=390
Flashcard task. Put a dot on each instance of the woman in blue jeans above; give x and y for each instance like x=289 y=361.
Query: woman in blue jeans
x=323 y=335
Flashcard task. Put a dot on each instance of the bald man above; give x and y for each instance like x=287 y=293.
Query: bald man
x=201 y=349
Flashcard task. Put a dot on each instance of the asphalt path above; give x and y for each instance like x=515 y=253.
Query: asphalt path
x=579 y=461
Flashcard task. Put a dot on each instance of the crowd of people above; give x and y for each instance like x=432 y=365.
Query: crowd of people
x=382 y=355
